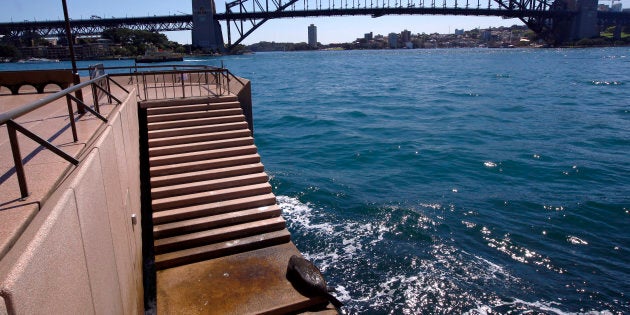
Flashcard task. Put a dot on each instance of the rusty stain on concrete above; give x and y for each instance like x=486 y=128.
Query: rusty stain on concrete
x=251 y=282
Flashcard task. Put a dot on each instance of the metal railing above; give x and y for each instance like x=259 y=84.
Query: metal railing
x=167 y=82
x=99 y=85
x=160 y=82
x=156 y=85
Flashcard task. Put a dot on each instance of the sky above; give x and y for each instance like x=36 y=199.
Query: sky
x=329 y=29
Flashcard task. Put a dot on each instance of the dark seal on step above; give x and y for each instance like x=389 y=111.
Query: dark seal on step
x=308 y=280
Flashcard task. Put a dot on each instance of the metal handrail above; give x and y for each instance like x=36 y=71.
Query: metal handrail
x=17 y=112
x=158 y=66
x=181 y=82
x=7 y=118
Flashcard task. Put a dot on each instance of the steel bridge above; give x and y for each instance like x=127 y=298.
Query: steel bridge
x=554 y=20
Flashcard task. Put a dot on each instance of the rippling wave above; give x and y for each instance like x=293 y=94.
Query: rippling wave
x=453 y=181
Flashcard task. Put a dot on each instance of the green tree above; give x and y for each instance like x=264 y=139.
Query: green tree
x=9 y=51
x=136 y=41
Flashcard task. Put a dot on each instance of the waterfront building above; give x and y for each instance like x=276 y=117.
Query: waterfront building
x=368 y=36
x=392 y=40
x=312 y=35
x=486 y=35
x=405 y=36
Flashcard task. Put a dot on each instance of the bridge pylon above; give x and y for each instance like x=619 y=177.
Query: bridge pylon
x=206 y=31
x=584 y=24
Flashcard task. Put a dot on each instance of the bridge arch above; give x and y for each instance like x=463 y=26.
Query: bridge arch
x=555 y=21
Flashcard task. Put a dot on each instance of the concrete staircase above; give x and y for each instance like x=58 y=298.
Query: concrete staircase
x=210 y=194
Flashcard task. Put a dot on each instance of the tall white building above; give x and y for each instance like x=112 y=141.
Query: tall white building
x=312 y=35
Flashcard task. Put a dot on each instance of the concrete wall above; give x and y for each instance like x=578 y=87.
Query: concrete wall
x=243 y=90
x=82 y=254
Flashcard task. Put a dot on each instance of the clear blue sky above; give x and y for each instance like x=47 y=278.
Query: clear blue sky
x=329 y=29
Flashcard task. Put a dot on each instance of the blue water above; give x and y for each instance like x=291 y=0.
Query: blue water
x=452 y=181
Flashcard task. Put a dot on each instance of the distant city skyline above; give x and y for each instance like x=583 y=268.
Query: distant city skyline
x=329 y=29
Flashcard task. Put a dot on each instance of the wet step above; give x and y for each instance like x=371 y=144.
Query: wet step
x=201 y=121
x=202 y=155
x=200 y=146
x=213 y=208
x=210 y=196
x=215 y=221
x=192 y=115
x=191 y=108
x=181 y=131
x=207 y=185
x=221 y=249
x=201 y=165
x=185 y=241
x=191 y=138
x=188 y=177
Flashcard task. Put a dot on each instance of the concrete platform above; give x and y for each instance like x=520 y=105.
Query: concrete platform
x=217 y=286
x=226 y=247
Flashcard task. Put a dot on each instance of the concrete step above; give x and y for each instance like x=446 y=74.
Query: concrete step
x=191 y=100
x=206 y=185
x=202 y=155
x=181 y=131
x=192 y=115
x=195 y=122
x=200 y=146
x=204 y=165
x=189 y=177
x=215 y=221
x=213 y=208
x=191 y=108
x=210 y=196
x=187 y=256
x=196 y=239
x=202 y=137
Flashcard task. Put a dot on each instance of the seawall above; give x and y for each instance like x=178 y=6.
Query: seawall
x=82 y=252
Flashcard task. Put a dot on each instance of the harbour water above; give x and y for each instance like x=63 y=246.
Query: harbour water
x=463 y=181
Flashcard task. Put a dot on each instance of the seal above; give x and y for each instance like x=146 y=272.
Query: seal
x=308 y=280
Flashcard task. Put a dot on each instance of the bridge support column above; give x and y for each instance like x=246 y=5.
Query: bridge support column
x=206 y=32
x=585 y=22
x=617 y=33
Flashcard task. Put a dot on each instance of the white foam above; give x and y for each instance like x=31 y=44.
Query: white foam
x=434 y=206
x=342 y=294
x=576 y=240
x=552 y=307
x=301 y=214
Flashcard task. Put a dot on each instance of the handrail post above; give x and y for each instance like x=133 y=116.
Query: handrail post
x=183 y=85
x=227 y=77
x=95 y=97
x=17 y=159
x=144 y=86
x=109 y=90
x=73 y=125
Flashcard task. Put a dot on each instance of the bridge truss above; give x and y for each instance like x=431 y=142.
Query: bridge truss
x=545 y=17
x=93 y=27
x=245 y=16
